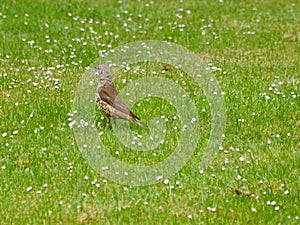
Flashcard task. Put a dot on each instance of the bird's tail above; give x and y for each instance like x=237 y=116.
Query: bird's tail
x=136 y=119
x=138 y=123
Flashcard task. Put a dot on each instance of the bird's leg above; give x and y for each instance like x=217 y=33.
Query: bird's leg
x=115 y=122
x=108 y=121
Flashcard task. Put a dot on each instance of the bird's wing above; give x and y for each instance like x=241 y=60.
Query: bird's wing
x=109 y=94
x=120 y=105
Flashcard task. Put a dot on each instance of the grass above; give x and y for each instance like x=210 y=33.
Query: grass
x=45 y=47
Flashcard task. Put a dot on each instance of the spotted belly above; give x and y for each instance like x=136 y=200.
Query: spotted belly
x=104 y=107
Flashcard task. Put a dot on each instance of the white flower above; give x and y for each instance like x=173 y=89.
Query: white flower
x=273 y=203
x=193 y=120
x=28 y=189
x=159 y=177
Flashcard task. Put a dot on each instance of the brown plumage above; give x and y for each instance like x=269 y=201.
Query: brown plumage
x=108 y=99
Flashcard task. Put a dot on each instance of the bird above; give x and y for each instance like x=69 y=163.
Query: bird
x=108 y=99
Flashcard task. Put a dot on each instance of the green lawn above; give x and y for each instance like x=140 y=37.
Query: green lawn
x=252 y=49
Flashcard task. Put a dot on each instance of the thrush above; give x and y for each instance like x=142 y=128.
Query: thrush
x=108 y=99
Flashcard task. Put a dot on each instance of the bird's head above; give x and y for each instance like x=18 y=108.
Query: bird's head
x=103 y=72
